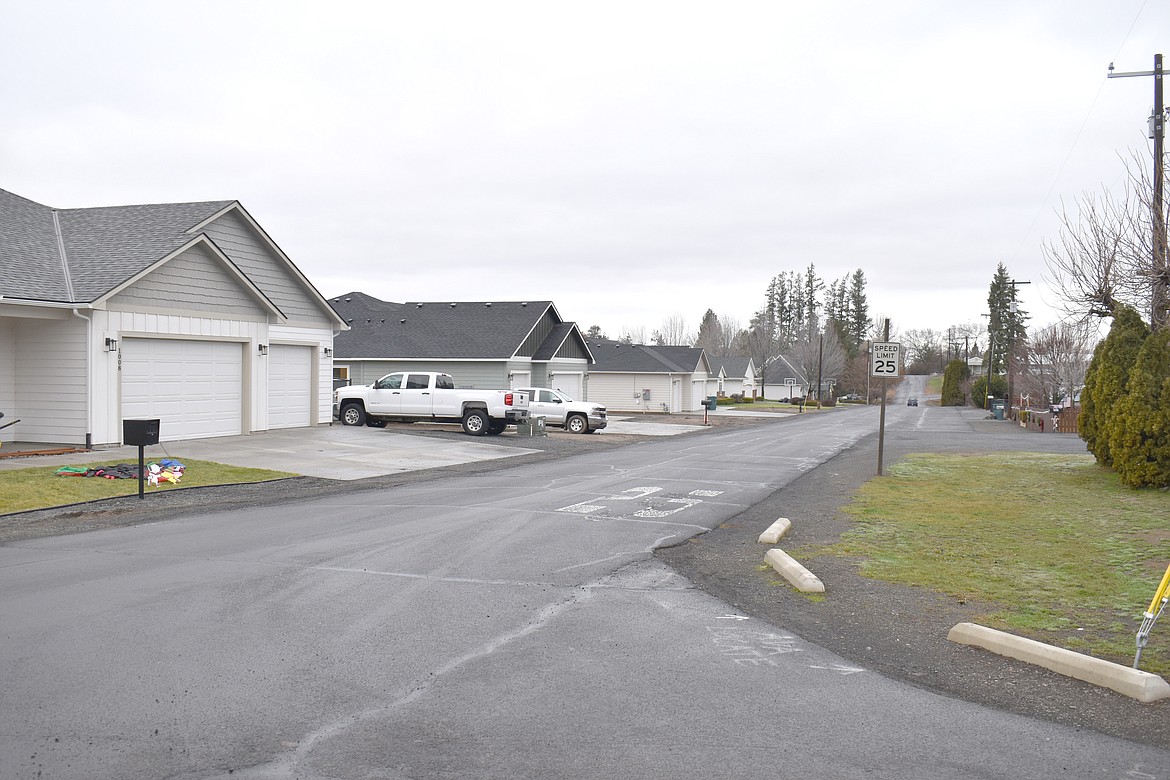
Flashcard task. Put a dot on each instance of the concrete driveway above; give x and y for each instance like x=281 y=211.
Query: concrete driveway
x=330 y=451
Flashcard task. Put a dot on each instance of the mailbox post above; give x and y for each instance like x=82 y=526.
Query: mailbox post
x=141 y=433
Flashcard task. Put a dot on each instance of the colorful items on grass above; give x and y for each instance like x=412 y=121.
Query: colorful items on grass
x=166 y=470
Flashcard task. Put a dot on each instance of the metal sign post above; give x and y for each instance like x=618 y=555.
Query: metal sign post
x=885 y=362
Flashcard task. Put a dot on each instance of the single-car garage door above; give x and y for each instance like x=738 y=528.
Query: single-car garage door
x=569 y=384
x=193 y=387
x=290 y=386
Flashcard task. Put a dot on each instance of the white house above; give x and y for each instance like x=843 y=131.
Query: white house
x=737 y=376
x=185 y=312
x=640 y=377
x=782 y=380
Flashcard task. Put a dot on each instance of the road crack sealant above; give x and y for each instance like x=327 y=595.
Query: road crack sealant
x=291 y=764
x=631 y=577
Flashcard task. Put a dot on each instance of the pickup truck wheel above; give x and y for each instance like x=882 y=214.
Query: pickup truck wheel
x=577 y=424
x=353 y=414
x=375 y=423
x=476 y=422
x=496 y=428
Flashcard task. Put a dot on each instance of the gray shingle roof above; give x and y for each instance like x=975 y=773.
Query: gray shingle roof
x=103 y=247
x=732 y=366
x=477 y=330
x=644 y=358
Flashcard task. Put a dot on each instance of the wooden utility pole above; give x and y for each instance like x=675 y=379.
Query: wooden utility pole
x=1160 y=297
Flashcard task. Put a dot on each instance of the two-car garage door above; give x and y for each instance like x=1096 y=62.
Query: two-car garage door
x=195 y=388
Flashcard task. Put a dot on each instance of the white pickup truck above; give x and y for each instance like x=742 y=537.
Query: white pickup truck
x=559 y=409
x=414 y=396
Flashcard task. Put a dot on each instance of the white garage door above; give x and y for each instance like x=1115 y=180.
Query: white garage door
x=290 y=386
x=193 y=387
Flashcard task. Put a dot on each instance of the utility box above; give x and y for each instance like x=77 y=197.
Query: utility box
x=533 y=426
x=140 y=433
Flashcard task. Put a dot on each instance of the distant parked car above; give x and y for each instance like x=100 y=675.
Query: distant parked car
x=561 y=410
x=912 y=402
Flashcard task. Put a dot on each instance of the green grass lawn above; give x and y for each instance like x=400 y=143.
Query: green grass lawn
x=1067 y=555
x=39 y=487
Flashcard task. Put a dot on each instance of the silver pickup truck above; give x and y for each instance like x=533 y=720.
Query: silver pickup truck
x=416 y=396
x=559 y=409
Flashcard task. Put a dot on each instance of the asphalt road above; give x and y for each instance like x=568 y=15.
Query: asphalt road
x=505 y=624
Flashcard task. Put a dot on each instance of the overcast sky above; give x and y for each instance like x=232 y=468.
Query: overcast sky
x=629 y=161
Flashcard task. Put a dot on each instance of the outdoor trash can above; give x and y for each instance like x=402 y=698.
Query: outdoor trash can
x=712 y=402
x=997 y=408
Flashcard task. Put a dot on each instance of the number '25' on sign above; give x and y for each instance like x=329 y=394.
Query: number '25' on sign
x=886 y=359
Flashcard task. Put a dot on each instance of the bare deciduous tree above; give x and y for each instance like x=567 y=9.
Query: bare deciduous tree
x=730 y=329
x=673 y=332
x=822 y=357
x=924 y=350
x=633 y=334
x=1059 y=358
x=1112 y=252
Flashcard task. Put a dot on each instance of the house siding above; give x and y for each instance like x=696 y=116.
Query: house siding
x=616 y=391
x=573 y=350
x=478 y=375
x=8 y=377
x=193 y=282
x=539 y=333
x=240 y=242
x=51 y=353
x=107 y=396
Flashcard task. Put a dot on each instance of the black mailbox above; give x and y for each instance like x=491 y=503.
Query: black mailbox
x=140 y=432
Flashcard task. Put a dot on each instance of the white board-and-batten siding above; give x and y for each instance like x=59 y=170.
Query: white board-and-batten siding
x=49 y=392
x=250 y=251
x=7 y=376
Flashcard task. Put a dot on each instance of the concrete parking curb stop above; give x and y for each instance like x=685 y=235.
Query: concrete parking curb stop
x=1134 y=683
x=775 y=531
x=790 y=569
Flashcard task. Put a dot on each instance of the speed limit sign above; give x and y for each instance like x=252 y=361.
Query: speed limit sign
x=886 y=359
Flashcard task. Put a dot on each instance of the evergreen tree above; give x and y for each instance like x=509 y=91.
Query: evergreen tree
x=953 y=379
x=812 y=286
x=1106 y=379
x=710 y=336
x=858 y=321
x=1006 y=323
x=1139 y=427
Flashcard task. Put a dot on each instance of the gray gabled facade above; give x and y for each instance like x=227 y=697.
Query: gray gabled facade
x=484 y=344
x=186 y=312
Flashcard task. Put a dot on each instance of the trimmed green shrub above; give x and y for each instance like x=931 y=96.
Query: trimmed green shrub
x=979 y=389
x=953 y=378
x=1139 y=425
x=1106 y=379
